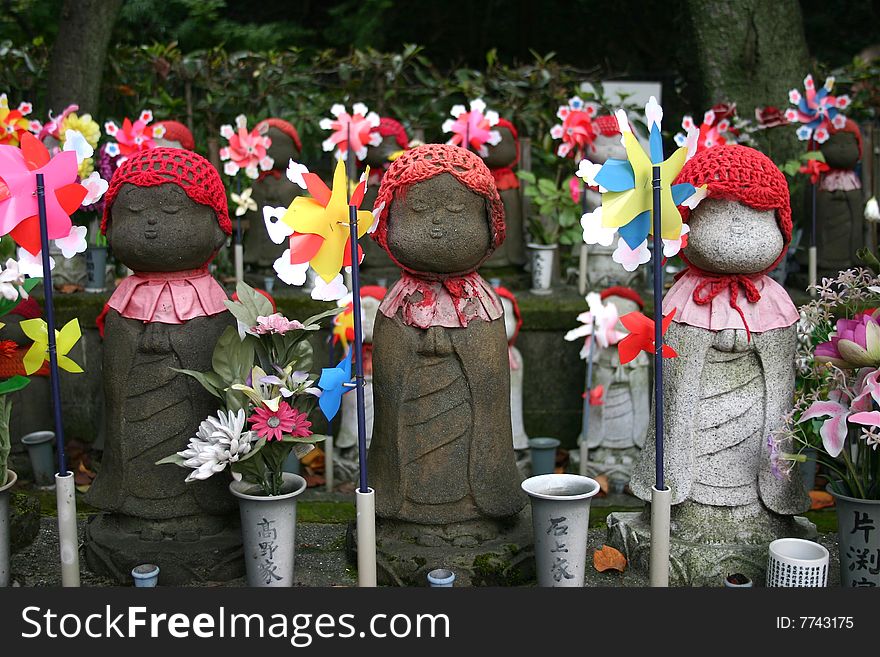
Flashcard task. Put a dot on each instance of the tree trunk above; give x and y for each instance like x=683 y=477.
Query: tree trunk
x=77 y=62
x=751 y=52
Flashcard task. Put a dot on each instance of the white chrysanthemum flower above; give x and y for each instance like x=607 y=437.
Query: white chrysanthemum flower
x=220 y=441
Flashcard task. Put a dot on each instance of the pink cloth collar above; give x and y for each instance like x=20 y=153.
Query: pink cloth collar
x=169 y=297
x=450 y=302
x=845 y=180
x=774 y=309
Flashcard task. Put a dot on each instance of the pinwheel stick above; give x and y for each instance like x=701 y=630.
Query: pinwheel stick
x=584 y=251
x=64 y=485
x=585 y=423
x=365 y=496
x=238 y=248
x=661 y=496
x=812 y=252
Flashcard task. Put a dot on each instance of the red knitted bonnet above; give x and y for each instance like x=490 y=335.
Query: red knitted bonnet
x=285 y=127
x=607 y=125
x=426 y=162
x=740 y=173
x=189 y=171
x=176 y=131
x=623 y=293
x=389 y=127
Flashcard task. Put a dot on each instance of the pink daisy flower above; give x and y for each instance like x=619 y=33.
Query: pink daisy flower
x=272 y=425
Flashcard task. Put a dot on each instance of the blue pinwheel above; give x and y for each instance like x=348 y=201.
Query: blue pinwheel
x=333 y=385
x=817 y=111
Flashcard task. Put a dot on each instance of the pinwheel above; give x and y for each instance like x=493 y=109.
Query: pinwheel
x=18 y=185
x=814 y=168
x=317 y=229
x=628 y=196
x=65 y=339
x=343 y=323
x=715 y=130
x=816 y=111
x=473 y=129
x=576 y=131
x=351 y=132
x=12 y=122
x=132 y=137
x=247 y=151
x=333 y=385
x=244 y=202
x=642 y=336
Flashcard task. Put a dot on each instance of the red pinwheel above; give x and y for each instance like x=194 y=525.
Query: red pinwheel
x=641 y=336
x=19 y=216
x=814 y=169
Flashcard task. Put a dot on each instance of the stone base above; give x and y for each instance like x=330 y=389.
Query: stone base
x=704 y=553
x=113 y=551
x=479 y=552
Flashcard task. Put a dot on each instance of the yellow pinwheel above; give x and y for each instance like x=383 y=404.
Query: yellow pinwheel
x=319 y=223
x=65 y=339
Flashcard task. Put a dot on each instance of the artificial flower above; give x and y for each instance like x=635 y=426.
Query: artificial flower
x=351 y=132
x=473 y=128
x=854 y=343
x=275 y=323
x=74 y=243
x=85 y=125
x=11 y=282
x=272 y=424
x=247 y=150
x=65 y=339
x=816 y=111
x=834 y=429
x=872 y=210
x=641 y=336
x=12 y=122
x=133 y=137
x=259 y=392
x=219 y=441
x=576 y=131
x=243 y=202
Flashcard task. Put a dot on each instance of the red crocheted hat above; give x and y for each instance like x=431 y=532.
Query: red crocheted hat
x=373 y=291
x=607 y=125
x=157 y=166
x=502 y=291
x=285 y=127
x=740 y=173
x=389 y=127
x=425 y=162
x=504 y=123
x=176 y=131
x=623 y=293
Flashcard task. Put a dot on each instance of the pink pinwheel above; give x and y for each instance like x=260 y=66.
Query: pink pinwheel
x=473 y=129
x=715 y=130
x=600 y=320
x=577 y=130
x=246 y=150
x=351 y=132
x=854 y=343
x=132 y=137
x=817 y=111
x=18 y=200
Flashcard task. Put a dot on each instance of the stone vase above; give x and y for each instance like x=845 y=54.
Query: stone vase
x=858 y=539
x=560 y=519
x=40 y=450
x=5 y=522
x=268 y=531
x=96 y=268
x=543 y=454
x=542 y=257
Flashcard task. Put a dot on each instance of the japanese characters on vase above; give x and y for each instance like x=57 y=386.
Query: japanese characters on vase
x=621 y=401
x=512 y=325
x=272 y=189
x=165 y=217
x=441 y=450
x=737 y=328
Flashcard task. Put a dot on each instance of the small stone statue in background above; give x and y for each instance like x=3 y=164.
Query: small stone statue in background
x=272 y=189
x=618 y=424
x=176 y=135
x=840 y=227
x=441 y=450
x=512 y=324
x=165 y=217
x=501 y=160
x=347 y=440
x=734 y=330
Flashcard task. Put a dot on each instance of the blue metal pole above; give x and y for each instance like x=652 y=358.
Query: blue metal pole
x=658 y=334
x=358 y=348
x=50 y=326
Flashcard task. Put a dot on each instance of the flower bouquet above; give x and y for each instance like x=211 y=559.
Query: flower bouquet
x=837 y=404
x=260 y=374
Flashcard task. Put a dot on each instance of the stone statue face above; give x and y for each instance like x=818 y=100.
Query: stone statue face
x=509 y=318
x=282 y=148
x=503 y=153
x=161 y=229
x=378 y=155
x=606 y=147
x=369 y=308
x=728 y=237
x=841 y=151
x=624 y=307
x=439 y=226
x=161 y=142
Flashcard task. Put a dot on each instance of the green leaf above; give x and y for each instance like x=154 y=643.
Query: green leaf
x=327 y=313
x=174 y=459
x=314 y=438
x=232 y=356
x=6 y=305
x=546 y=186
x=254 y=450
x=813 y=155
x=210 y=381
x=13 y=384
